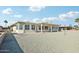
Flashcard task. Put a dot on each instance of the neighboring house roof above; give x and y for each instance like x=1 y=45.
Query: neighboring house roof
x=63 y=26
x=5 y=27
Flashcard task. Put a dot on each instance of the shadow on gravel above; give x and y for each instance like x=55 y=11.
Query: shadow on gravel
x=10 y=45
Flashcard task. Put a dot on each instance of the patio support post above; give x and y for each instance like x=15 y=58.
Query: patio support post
x=58 y=29
x=51 y=28
x=30 y=27
x=18 y=25
x=35 y=28
x=23 y=27
x=41 y=28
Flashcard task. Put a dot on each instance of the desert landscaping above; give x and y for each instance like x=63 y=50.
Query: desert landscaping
x=49 y=42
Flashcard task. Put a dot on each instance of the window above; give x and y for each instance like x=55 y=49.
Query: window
x=17 y=27
x=21 y=27
x=33 y=27
x=26 y=27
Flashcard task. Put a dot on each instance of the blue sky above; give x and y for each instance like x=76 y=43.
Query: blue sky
x=64 y=15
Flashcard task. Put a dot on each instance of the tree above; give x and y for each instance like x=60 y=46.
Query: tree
x=77 y=20
x=76 y=27
x=5 y=21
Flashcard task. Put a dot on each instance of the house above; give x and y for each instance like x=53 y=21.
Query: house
x=24 y=27
x=1 y=29
x=63 y=27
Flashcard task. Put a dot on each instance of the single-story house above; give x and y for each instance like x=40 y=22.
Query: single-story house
x=61 y=28
x=24 y=27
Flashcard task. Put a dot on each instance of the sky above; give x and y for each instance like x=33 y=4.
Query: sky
x=64 y=15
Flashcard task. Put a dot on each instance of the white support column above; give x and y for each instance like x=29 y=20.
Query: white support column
x=24 y=28
x=41 y=28
x=18 y=26
x=57 y=28
x=51 y=28
x=35 y=28
x=48 y=29
x=44 y=29
x=30 y=27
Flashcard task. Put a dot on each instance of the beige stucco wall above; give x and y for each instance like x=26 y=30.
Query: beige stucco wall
x=29 y=31
x=14 y=29
x=19 y=31
x=25 y=31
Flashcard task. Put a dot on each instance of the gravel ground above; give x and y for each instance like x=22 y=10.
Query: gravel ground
x=55 y=42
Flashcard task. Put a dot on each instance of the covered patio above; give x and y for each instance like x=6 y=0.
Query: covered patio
x=23 y=27
x=45 y=27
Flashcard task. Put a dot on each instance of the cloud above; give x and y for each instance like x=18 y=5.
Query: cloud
x=60 y=17
x=72 y=13
x=8 y=11
x=68 y=15
x=18 y=16
x=36 y=20
x=49 y=19
x=36 y=8
x=45 y=19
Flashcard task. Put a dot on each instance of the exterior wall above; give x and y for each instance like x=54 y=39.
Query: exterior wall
x=14 y=29
x=43 y=30
x=63 y=28
x=29 y=31
x=19 y=31
x=55 y=29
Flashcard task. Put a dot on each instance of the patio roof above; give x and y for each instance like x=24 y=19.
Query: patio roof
x=48 y=24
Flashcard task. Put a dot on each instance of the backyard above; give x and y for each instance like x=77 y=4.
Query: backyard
x=49 y=42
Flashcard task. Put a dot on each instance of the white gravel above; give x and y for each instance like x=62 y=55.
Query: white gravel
x=53 y=42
